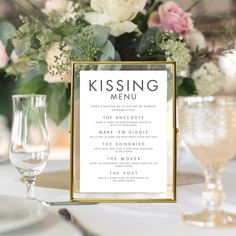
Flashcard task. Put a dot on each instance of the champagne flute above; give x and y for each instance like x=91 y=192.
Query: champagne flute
x=208 y=126
x=29 y=142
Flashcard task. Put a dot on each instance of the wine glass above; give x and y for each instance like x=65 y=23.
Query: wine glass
x=29 y=142
x=208 y=126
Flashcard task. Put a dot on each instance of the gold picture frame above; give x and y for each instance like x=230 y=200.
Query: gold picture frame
x=75 y=137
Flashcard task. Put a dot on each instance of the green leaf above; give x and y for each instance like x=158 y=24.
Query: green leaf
x=42 y=66
x=156 y=56
x=7 y=86
x=141 y=20
x=187 y=87
x=101 y=34
x=108 y=52
x=117 y=56
x=148 y=40
x=9 y=47
x=31 y=74
x=158 y=36
x=6 y=31
x=26 y=85
x=179 y=81
x=58 y=107
x=149 y=48
x=104 y=57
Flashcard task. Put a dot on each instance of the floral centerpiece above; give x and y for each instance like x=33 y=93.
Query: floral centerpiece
x=38 y=53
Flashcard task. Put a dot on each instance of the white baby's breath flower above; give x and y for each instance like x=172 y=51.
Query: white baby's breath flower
x=208 y=79
x=177 y=51
x=115 y=14
x=227 y=63
x=73 y=12
x=58 y=62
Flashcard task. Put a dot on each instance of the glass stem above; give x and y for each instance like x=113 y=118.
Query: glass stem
x=29 y=182
x=213 y=193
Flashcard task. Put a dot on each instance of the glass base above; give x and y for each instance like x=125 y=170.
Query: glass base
x=211 y=219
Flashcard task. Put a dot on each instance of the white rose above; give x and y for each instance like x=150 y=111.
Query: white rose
x=58 y=64
x=196 y=40
x=227 y=63
x=115 y=14
x=55 y=5
x=3 y=55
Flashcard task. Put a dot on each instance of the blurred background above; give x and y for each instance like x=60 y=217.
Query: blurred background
x=215 y=19
x=59 y=135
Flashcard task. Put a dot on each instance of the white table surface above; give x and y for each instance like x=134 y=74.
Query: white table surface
x=122 y=219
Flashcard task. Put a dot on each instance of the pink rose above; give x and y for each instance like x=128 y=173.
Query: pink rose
x=3 y=55
x=170 y=17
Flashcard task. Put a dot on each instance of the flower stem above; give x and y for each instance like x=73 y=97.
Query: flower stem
x=156 y=2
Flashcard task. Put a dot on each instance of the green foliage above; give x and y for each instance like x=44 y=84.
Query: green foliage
x=80 y=41
x=58 y=103
x=100 y=34
x=6 y=90
x=32 y=82
x=149 y=46
x=148 y=40
x=6 y=31
x=107 y=52
x=141 y=20
x=9 y=47
x=126 y=45
x=87 y=43
x=185 y=86
x=25 y=38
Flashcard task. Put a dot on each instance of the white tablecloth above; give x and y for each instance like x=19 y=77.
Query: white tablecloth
x=126 y=219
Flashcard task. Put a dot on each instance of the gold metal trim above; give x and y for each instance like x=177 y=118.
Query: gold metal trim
x=175 y=131
x=71 y=134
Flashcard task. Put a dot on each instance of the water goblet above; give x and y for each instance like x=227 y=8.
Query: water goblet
x=208 y=126
x=29 y=142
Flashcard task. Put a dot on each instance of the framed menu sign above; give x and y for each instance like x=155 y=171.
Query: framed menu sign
x=123 y=134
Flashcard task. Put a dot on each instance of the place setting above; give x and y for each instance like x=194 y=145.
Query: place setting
x=117 y=117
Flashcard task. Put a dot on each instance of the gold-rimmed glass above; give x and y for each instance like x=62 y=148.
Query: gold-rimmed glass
x=208 y=127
